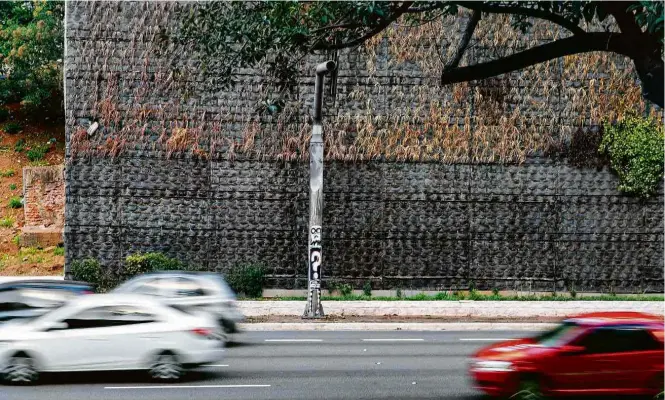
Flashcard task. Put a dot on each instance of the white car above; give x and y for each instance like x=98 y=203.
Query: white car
x=109 y=332
x=190 y=291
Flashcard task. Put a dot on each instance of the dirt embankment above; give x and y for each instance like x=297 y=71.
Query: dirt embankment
x=14 y=155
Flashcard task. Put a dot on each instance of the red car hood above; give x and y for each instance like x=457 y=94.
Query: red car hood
x=508 y=350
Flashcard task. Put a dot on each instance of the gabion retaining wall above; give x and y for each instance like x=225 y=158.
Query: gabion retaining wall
x=542 y=225
x=466 y=221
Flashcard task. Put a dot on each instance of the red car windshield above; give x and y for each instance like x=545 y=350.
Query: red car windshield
x=558 y=335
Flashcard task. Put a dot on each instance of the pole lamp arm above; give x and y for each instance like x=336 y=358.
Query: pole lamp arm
x=321 y=70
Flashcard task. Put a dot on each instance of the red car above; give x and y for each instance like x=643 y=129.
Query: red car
x=617 y=353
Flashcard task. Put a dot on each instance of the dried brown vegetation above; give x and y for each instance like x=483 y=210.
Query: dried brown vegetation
x=498 y=120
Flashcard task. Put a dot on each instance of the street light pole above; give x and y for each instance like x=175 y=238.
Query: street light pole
x=314 y=308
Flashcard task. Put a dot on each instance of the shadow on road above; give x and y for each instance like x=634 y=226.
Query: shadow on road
x=119 y=377
x=231 y=344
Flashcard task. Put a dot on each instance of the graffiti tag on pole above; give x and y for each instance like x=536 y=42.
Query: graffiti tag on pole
x=315 y=235
x=315 y=257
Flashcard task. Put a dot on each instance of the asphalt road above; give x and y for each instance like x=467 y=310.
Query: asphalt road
x=299 y=365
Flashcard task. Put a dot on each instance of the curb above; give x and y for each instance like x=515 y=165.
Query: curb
x=395 y=326
x=461 y=309
x=4 y=279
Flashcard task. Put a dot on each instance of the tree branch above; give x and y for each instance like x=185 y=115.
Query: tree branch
x=464 y=43
x=594 y=41
x=648 y=62
x=373 y=32
x=527 y=12
x=626 y=22
x=337 y=26
x=653 y=84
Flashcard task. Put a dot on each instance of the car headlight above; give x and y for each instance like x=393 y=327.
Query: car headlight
x=492 y=366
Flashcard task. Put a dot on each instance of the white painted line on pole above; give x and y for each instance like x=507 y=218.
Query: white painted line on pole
x=293 y=340
x=484 y=339
x=184 y=387
x=394 y=340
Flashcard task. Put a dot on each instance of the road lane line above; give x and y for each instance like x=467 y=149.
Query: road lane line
x=483 y=339
x=394 y=340
x=293 y=340
x=184 y=387
x=217 y=365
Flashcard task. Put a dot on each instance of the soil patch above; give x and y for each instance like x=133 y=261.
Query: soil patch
x=13 y=157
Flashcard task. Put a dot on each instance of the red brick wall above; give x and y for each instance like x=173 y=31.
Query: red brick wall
x=44 y=196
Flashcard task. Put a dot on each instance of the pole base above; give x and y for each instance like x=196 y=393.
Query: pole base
x=311 y=314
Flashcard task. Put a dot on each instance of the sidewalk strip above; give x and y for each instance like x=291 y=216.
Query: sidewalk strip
x=184 y=386
x=394 y=340
x=397 y=326
x=293 y=340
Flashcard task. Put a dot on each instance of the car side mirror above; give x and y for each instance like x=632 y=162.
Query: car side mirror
x=57 y=326
x=571 y=350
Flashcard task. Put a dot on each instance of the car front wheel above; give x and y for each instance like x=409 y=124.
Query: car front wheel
x=228 y=326
x=529 y=389
x=20 y=370
x=659 y=386
x=166 y=367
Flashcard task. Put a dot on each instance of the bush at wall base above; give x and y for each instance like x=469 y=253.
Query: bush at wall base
x=88 y=270
x=247 y=280
x=137 y=264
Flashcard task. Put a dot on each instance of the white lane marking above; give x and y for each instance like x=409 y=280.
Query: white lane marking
x=217 y=365
x=184 y=386
x=394 y=340
x=483 y=339
x=293 y=340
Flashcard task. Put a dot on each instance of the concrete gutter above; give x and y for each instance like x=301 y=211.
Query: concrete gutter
x=451 y=309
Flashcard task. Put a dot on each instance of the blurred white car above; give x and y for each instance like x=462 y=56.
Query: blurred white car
x=109 y=332
x=190 y=291
x=30 y=298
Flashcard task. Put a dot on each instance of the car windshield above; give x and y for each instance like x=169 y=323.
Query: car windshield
x=555 y=336
x=123 y=286
x=226 y=289
x=181 y=309
x=45 y=316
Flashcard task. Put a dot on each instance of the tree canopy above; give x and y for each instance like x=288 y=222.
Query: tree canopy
x=31 y=54
x=233 y=35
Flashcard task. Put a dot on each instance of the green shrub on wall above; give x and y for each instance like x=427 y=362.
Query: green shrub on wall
x=635 y=148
